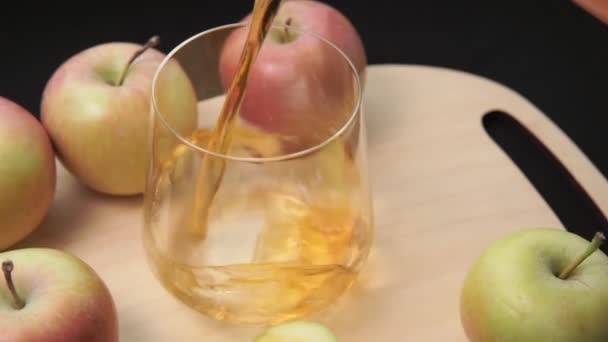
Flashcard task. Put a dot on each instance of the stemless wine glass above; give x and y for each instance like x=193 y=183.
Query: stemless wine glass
x=289 y=225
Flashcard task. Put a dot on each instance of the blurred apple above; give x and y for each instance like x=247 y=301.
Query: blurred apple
x=299 y=86
x=52 y=296
x=27 y=180
x=597 y=8
x=96 y=108
x=297 y=331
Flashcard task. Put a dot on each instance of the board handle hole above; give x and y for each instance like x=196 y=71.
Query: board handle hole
x=552 y=180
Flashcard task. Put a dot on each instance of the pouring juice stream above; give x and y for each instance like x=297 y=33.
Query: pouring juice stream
x=212 y=168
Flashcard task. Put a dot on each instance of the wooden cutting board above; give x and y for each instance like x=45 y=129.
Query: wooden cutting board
x=442 y=191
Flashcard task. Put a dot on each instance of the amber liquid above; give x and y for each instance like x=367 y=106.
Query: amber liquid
x=275 y=251
x=268 y=251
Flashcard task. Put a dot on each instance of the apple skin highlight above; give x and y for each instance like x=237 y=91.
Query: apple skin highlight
x=513 y=292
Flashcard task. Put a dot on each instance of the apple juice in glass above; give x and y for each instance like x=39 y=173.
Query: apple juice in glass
x=288 y=225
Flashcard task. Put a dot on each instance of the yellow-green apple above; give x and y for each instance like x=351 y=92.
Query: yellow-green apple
x=28 y=176
x=96 y=108
x=53 y=296
x=537 y=284
x=297 y=331
x=299 y=86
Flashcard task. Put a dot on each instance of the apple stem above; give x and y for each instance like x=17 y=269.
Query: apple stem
x=7 y=268
x=287 y=23
x=595 y=244
x=152 y=42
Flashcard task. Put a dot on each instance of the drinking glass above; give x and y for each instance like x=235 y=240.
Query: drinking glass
x=290 y=223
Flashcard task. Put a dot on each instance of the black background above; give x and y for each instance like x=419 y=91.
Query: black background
x=550 y=51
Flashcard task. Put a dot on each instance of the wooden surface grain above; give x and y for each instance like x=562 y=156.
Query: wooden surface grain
x=442 y=191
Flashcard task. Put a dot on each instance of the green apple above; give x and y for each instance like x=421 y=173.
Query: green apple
x=27 y=176
x=537 y=284
x=96 y=108
x=297 y=331
x=52 y=296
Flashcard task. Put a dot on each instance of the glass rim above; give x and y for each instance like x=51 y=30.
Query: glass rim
x=288 y=156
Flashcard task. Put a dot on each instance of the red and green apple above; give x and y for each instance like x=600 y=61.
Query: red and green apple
x=299 y=86
x=96 y=107
x=51 y=296
x=28 y=177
